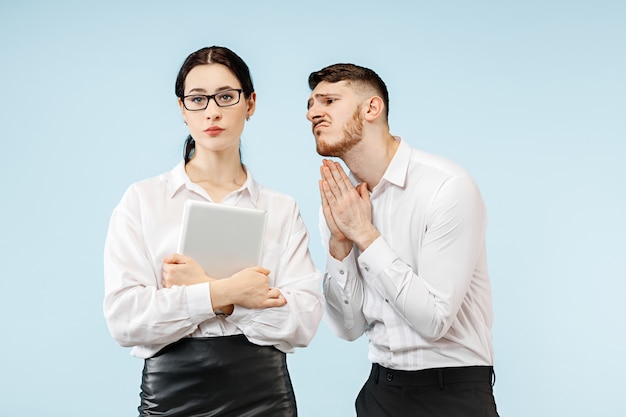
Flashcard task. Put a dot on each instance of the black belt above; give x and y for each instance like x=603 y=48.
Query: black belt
x=433 y=376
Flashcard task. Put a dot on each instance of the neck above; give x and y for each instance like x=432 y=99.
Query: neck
x=221 y=168
x=369 y=160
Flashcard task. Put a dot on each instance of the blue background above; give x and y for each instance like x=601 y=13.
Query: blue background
x=529 y=96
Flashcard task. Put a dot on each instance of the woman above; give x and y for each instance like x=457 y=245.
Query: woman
x=211 y=347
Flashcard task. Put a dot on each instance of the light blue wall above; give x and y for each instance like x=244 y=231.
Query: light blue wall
x=529 y=96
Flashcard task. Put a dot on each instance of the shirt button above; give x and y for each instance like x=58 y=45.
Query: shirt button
x=346 y=302
x=389 y=377
x=367 y=268
x=341 y=272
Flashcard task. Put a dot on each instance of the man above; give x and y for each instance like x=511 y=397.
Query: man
x=405 y=233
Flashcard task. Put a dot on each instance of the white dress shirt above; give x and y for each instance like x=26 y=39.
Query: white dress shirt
x=420 y=291
x=144 y=229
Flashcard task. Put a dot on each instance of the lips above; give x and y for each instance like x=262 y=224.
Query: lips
x=213 y=130
x=321 y=122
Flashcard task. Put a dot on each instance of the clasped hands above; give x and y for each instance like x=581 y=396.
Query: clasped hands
x=248 y=288
x=347 y=210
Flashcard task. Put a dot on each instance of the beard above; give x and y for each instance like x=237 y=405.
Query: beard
x=352 y=134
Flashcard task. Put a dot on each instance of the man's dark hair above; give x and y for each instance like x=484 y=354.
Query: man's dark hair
x=353 y=74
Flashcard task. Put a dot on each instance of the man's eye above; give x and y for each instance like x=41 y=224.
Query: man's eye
x=330 y=100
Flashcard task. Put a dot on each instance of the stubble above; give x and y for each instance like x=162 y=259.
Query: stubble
x=352 y=134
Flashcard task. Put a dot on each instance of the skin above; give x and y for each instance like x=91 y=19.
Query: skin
x=367 y=150
x=217 y=168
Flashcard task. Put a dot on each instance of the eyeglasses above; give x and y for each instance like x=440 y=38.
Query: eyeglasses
x=226 y=98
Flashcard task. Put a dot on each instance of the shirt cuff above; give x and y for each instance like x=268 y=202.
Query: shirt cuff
x=376 y=258
x=199 y=302
x=241 y=317
x=340 y=270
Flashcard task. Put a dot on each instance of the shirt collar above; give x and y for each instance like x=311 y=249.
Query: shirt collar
x=399 y=166
x=178 y=180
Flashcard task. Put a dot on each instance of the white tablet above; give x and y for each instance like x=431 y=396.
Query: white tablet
x=222 y=239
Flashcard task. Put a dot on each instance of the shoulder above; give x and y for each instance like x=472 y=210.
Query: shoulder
x=283 y=212
x=273 y=199
x=436 y=164
x=148 y=191
x=441 y=177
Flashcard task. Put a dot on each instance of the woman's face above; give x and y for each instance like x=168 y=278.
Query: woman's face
x=215 y=128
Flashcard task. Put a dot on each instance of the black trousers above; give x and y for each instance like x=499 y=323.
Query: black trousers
x=441 y=392
x=218 y=376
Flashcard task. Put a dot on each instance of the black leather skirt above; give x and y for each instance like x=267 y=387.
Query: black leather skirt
x=217 y=376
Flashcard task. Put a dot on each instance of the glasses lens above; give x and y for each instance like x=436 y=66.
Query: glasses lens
x=223 y=99
x=227 y=98
x=195 y=102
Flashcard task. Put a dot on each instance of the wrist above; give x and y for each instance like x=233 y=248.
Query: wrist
x=367 y=238
x=339 y=248
x=220 y=296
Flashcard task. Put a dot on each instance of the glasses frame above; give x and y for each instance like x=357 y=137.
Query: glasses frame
x=212 y=96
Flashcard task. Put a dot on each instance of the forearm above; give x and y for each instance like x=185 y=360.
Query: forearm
x=343 y=290
x=428 y=302
x=292 y=325
x=147 y=315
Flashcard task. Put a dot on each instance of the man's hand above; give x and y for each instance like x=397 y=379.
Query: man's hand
x=348 y=210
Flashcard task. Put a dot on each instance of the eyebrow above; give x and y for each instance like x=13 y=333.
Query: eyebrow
x=318 y=96
x=202 y=90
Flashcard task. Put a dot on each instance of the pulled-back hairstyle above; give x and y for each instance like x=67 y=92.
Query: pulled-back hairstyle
x=212 y=55
x=353 y=74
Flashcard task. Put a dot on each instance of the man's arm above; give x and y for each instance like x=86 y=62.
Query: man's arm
x=454 y=241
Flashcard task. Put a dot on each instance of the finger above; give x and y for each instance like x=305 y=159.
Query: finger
x=274 y=302
x=363 y=191
x=274 y=293
x=169 y=259
x=322 y=170
x=331 y=192
x=176 y=258
x=330 y=186
x=325 y=206
x=327 y=162
x=340 y=177
x=325 y=169
x=261 y=270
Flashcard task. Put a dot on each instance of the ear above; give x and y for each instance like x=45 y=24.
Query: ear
x=374 y=108
x=251 y=102
x=182 y=109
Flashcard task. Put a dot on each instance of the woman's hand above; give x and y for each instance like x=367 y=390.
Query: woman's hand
x=182 y=270
x=248 y=288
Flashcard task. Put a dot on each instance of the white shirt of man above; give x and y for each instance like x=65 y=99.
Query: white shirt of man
x=144 y=229
x=421 y=291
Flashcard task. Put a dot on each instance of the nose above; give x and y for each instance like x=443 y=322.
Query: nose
x=313 y=113
x=212 y=111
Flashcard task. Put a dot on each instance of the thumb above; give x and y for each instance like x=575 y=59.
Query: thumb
x=363 y=191
x=262 y=270
x=175 y=258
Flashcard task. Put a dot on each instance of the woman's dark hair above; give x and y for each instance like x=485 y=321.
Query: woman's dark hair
x=212 y=55
x=352 y=73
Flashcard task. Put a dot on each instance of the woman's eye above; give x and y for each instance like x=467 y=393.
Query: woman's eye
x=198 y=99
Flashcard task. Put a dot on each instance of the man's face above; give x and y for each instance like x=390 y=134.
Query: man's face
x=334 y=111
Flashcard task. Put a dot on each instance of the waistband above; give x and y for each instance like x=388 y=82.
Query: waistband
x=433 y=376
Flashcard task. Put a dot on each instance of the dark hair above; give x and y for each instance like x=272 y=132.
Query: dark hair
x=352 y=73
x=212 y=55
